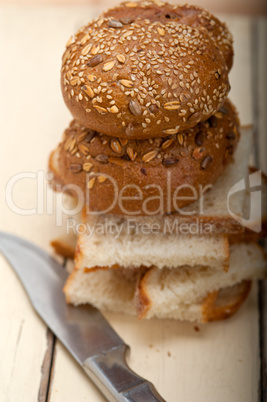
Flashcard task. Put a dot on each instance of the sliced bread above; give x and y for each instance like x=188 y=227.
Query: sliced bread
x=192 y=294
x=160 y=250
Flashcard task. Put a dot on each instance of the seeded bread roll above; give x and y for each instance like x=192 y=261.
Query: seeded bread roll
x=188 y=14
x=104 y=166
x=143 y=78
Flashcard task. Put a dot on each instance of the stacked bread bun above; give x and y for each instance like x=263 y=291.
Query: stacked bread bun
x=147 y=85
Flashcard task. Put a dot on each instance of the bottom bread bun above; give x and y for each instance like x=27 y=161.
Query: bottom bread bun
x=146 y=177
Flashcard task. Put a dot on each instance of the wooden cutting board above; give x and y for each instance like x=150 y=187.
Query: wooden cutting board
x=215 y=362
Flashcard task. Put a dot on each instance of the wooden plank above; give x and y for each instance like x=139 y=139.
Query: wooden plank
x=260 y=123
x=22 y=341
x=221 y=361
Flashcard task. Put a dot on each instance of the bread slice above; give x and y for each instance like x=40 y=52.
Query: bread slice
x=209 y=214
x=110 y=290
x=166 y=293
x=160 y=250
x=189 y=294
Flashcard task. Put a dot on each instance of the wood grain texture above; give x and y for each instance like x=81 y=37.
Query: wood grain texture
x=259 y=79
x=218 y=363
x=47 y=367
x=22 y=341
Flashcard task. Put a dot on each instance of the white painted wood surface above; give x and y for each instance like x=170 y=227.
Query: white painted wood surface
x=220 y=362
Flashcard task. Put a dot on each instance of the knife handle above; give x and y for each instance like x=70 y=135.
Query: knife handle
x=112 y=375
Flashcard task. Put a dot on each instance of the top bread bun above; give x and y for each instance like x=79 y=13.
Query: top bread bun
x=136 y=73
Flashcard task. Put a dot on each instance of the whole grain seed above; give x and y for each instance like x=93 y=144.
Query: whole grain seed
x=126 y=20
x=115 y=24
x=84 y=39
x=87 y=166
x=127 y=83
x=102 y=158
x=91 y=183
x=75 y=168
x=94 y=61
x=92 y=78
x=115 y=146
x=175 y=105
x=135 y=107
x=132 y=155
x=86 y=50
x=109 y=65
x=101 y=179
x=180 y=139
x=114 y=109
x=153 y=109
x=194 y=118
x=197 y=153
x=167 y=143
x=95 y=49
x=171 y=131
x=168 y=162
x=88 y=90
x=84 y=149
x=74 y=81
x=121 y=58
x=161 y=31
x=90 y=135
x=206 y=162
x=149 y=156
x=100 y=109
x=199 y=138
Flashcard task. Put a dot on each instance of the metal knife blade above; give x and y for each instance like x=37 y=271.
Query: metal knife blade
x=83 y=330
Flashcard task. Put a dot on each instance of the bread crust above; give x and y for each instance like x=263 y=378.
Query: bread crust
x=187 y=14
x=146 y=78
x=224 y=303
x=217 y=305
x=149 y=171
x=61 y=247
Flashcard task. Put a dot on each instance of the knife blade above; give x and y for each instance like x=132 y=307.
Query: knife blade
x=83 y=330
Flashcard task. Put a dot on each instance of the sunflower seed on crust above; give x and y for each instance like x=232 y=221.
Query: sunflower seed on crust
x=75 y=168
x=206 y=162
x=94 y=61
x=135 y=107
x=115 y=24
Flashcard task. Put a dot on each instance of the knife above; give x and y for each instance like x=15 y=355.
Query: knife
x=83 y=330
